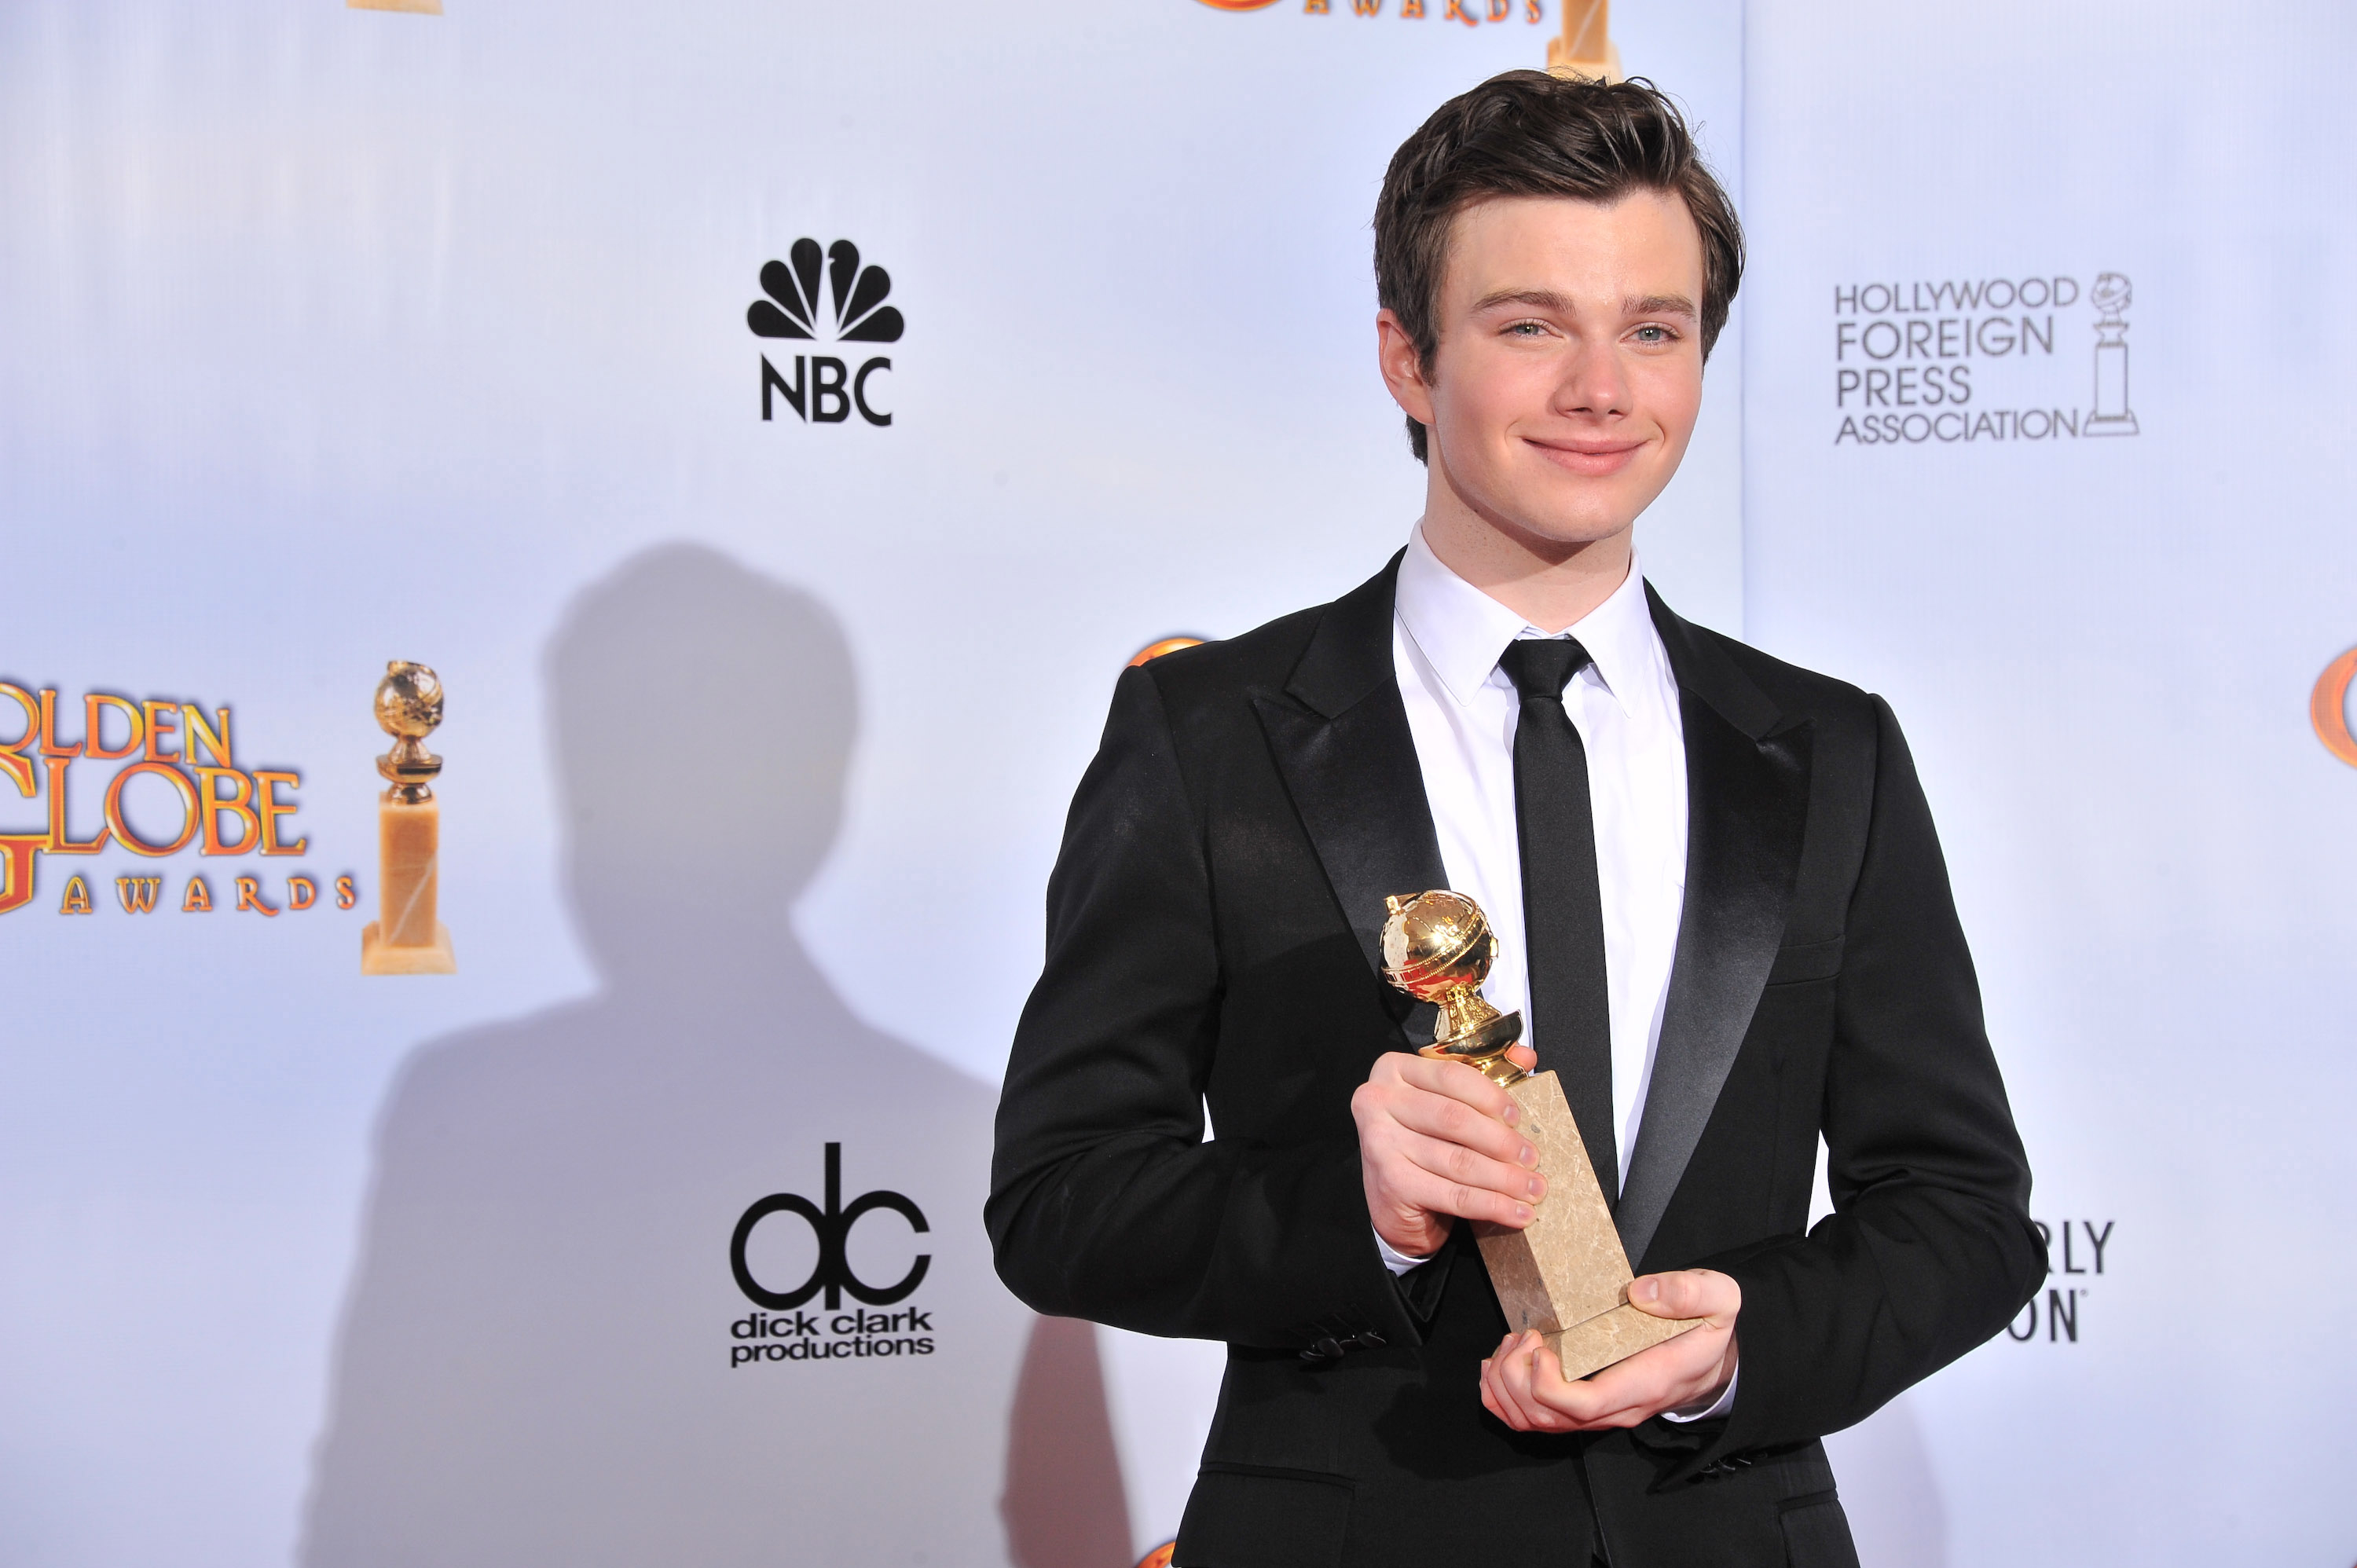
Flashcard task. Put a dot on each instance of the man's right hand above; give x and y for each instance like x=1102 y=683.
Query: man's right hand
x=1437 y=1142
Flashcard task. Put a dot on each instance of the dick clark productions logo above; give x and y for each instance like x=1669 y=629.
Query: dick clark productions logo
x=825 y=389
x=783 y=1333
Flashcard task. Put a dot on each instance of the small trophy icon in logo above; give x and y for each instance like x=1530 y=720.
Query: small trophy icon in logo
x=2111 y=416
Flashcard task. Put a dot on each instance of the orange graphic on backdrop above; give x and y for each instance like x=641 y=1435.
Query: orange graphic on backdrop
x=2328 y=707
x=1157 y=649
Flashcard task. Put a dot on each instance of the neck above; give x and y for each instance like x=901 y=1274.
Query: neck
x=1550 y=582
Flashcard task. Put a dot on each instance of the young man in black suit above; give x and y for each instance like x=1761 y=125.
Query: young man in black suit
x=1723 y=912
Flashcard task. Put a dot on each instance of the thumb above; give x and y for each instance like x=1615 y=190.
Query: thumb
x=1688 y=1292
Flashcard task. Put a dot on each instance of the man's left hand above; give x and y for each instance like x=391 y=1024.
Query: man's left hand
x=1523 y=1383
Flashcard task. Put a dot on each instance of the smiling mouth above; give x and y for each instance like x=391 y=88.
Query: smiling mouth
x=1590 y=459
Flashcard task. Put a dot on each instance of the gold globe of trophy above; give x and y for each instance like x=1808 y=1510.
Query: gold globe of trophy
x=407 y=938
x=1566 y=1273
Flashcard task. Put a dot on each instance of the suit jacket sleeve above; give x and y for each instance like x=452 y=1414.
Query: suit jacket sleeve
x=1106 y=1203
x=1929 y=1250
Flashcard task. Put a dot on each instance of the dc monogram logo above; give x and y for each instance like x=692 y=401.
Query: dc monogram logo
x=824 y=389
x=831 y=1225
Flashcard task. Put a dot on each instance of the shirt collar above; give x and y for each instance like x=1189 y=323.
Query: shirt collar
x=1461 y=630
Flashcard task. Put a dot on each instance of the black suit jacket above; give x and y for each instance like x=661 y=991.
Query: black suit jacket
x=1212 y=937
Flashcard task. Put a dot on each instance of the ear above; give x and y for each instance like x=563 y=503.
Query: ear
x=1396 y=356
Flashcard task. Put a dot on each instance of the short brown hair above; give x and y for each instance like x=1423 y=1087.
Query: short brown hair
x=1530 y=134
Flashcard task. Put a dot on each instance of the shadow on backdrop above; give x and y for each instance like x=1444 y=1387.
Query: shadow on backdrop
x=1889 y=1489
x=536 y=1362
x=1064 y=1504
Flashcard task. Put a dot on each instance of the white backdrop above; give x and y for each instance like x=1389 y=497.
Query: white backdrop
x=2101 y=647
x=328 y=336
x=336 y=336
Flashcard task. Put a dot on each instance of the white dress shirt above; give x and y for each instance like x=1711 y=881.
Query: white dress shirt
x=1446 y=636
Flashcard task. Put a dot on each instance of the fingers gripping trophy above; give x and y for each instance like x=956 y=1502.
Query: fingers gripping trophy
x=1566 y=1274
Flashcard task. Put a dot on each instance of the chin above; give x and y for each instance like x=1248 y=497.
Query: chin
x=1586 y=529
x=1581 y=521
x=1542 y=503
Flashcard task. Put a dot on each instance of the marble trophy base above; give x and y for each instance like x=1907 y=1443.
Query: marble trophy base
x=409 y=938
x=380 y=957
x=1564 y=1274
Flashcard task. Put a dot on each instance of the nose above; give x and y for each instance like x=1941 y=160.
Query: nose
x=1594 y=383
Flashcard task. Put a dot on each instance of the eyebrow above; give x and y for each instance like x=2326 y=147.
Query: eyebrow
x=1547 y=299
x=1537 y=298
x=1663 y=305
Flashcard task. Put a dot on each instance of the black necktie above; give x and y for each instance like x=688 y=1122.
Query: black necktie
x=1563 y=905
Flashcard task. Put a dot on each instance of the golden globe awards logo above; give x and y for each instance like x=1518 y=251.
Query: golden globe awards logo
x=1981 y=360
x=1472 y=13
x=824 y=389
x=174 y=785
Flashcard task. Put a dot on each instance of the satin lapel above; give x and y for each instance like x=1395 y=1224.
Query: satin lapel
x=1338 y=734
x=1354 y=780
x=1748 y=798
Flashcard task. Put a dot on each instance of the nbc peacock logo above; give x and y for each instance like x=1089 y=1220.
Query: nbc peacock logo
x=824 y=389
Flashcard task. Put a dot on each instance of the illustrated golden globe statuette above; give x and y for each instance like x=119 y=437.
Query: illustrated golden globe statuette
x=1586 y=48
x=1564 y=1274
x=406 y=938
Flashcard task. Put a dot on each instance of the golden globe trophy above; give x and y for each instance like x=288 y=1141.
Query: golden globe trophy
x=407 y=938
x=1564 y=1274
x=1586 y=48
